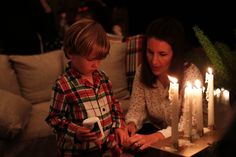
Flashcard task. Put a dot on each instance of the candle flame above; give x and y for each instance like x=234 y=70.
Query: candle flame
x=188 y=84
x=198 y=83
x=173 y=79
x=209 y=70
x=217 y=92
x=226 y=93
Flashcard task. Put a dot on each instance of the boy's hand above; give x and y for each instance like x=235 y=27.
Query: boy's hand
x=131 y=128
x=121 y=135
x=85 y=134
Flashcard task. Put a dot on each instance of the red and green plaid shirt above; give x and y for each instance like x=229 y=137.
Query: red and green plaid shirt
x=75 y=99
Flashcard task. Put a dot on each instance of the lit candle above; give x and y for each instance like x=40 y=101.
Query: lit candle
x=174 y=99
x=222 y=108
x=198 y=106
x=188 y=110
x=217 y=94
x=210 y=97
x=225 y=97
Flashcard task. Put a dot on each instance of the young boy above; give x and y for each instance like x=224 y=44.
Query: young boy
x=83 y=92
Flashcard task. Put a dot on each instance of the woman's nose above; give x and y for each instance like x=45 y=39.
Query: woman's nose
x=156 y=60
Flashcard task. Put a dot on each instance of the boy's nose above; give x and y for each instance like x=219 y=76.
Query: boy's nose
x=96 y=64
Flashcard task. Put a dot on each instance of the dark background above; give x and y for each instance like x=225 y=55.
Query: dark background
x=216 y=19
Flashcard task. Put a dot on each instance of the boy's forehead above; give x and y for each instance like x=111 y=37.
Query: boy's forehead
x=93 y=54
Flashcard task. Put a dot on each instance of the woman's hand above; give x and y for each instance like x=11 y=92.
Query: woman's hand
x=131 y=128
x=141 y=142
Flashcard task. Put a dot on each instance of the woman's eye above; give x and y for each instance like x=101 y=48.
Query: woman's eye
x=163 y=54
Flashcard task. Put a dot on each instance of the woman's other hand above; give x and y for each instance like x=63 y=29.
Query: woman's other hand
x=131 y=128
x=140 y=142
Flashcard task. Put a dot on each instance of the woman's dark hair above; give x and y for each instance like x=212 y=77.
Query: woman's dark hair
x=171 y=31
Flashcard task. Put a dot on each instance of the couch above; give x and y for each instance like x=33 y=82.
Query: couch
x=25 y=91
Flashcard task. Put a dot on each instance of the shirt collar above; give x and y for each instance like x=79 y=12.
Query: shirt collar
x=76 y=79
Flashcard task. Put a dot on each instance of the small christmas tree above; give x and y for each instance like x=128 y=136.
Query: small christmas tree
x=223 y=61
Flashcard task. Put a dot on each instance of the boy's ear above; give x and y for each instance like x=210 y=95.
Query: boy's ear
x=68 y=55
x=67 y=52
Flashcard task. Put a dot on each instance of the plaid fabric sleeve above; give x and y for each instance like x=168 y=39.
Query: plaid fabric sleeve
x=56 y=118
x=116 y=111
x=133 y=59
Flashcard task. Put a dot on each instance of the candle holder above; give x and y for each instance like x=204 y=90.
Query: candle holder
x=200 y=133
x=176 y=145
x=211 y=127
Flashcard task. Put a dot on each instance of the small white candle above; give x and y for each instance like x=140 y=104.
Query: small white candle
x=225 y=97
x=217 y=94
x=210 y=97
x=174 y=98
x=222 y=108
x=198 y=106
x=188 y=110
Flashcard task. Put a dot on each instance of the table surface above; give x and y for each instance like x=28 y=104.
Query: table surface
x=188 y=149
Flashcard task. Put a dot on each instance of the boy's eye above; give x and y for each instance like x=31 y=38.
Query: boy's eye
x=90 y=59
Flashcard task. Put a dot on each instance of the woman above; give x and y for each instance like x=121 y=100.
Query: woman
x=149 y=115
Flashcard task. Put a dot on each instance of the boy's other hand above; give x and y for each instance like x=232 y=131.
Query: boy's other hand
x=131 y=128
x=85 y=134
x=121 y=135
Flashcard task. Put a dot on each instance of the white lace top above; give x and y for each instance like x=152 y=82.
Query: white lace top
x=152 y=104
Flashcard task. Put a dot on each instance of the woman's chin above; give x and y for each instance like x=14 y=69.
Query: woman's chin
x=156 y=73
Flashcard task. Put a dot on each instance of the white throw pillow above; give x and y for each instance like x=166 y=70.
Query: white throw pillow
x=14 y=116
x=8 y=80
x=37 y=73
x=114 y=67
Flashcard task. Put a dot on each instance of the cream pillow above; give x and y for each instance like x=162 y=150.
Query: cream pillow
x=114 y=67
x=37 y=73
x=14 y=115
x=8 y=80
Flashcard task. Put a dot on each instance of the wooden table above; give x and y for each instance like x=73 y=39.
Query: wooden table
x=165 y=148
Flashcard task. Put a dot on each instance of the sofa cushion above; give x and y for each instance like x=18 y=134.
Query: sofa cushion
x=37 y=73
x=37 y=126
x=15 y=113
x=114 y=67
x=8 y=80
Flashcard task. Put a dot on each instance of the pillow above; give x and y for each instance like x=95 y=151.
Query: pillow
x=14 y=115
x=8 y=80
x=114 y=67
x=134 y=56
x=37 y=73
x=65 y=62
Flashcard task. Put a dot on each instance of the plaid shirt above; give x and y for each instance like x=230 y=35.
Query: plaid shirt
x=76 y=99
